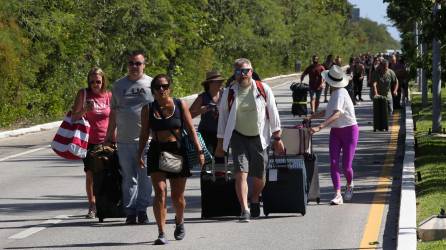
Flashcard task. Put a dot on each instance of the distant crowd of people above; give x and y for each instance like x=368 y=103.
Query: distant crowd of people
x=384 y=75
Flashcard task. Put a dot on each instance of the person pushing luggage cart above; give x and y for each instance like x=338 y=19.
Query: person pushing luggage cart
x=344 y=133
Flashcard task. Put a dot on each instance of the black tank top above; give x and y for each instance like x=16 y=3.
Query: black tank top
x=172 y=122
x=209 y=120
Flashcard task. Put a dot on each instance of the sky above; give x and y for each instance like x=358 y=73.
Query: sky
x=375 y=10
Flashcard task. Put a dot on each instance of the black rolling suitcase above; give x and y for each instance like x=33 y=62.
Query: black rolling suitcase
x=380 y=113
x=218 y=195
x=298 y=140
x=107 y=186
x=286 y=185
x=299 y=93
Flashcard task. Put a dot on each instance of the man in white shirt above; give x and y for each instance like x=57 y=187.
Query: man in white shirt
x=248 y=117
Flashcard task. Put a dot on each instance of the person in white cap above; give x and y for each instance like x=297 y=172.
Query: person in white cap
x=344 y=133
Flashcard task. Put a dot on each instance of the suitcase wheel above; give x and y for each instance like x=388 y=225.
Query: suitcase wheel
x=374 y=130
x=318 y=200
x=303 y=213
x=101 y=220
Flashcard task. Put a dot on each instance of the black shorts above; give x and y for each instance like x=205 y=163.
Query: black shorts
x=153 y=155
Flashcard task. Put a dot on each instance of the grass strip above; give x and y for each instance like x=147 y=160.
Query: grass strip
x=430 y=161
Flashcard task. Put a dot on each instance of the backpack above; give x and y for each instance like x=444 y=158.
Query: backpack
x=261 y=90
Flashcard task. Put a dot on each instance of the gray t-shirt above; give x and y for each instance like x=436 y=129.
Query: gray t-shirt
x=127 y=101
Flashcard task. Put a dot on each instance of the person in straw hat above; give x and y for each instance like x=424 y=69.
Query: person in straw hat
x=344 y=133
x=206 y=106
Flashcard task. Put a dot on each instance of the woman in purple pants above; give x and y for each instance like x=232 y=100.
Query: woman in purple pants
x=340 y=116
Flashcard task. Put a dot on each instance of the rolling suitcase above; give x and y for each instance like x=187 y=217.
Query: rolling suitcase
x=218 y=195
x=107 y=186
x=298 y=140
x=299 y=93
x=380 y=113
x=286 y=185
x=314 y=192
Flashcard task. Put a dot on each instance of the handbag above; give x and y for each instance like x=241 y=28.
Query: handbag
x=187 y=144
x=171 y=163
x=191 y=152
x=71 y=139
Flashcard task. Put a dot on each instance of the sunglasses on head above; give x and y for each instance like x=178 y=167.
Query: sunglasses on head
x=131 y=63
x=95 y=81
x=243 y=71
x=159 y=86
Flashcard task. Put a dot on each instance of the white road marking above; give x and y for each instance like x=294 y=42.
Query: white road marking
x=36 y=229
x=23 y=153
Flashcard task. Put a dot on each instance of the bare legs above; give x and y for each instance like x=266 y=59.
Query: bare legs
x=177 y=195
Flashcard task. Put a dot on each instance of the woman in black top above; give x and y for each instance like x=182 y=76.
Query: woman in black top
x=206 y=105
x=166 y=116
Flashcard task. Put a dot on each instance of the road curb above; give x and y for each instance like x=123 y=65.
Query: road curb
x=52 y=125
x=407 y=224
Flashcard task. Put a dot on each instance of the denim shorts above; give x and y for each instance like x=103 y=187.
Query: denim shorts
x=315 y=92
x=248 y=154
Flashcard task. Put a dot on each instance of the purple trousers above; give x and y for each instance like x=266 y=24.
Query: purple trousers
x=345 y=140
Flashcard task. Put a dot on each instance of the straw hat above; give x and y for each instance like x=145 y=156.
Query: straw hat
x=212 y=76
x=335 y=77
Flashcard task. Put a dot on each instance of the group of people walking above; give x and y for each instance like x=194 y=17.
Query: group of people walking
x=242 y=116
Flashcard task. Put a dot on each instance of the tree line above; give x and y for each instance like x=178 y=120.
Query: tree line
x=411 y=14
x=47 y=47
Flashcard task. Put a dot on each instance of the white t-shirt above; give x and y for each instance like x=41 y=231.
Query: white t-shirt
x=340 y=100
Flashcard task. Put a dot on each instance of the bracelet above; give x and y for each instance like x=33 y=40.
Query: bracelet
x=200 y=152
x=278 y=138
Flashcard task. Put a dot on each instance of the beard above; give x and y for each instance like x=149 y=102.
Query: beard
x=245 y=81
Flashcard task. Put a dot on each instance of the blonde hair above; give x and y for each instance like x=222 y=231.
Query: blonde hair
x=98 y=71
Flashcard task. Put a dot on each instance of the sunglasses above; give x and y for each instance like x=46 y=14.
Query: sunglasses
x=159 y=86
x=95 y=81
x=243 y=71
x=130 y=63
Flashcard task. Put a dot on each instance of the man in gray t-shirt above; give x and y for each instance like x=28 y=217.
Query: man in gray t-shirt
x=130 y=94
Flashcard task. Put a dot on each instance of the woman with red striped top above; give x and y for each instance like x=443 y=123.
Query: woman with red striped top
x=95 y=107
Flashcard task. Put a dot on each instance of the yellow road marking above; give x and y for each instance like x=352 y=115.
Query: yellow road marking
x=373 y=226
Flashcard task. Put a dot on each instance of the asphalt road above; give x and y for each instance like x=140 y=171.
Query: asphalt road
x=43 y=202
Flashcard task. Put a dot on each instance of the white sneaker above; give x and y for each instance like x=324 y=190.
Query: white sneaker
x=337 y=200
x=348 y=194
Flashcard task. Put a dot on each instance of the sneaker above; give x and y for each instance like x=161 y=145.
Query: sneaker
x=142 y=218
x=179 y=232
x=337 y=200
x=348 y=194
x=255 y=210
x=130 y=220
x=161 y=240
x=245 y=216
x=91 y=213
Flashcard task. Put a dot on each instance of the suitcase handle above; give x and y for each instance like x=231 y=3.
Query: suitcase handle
x=212 y=168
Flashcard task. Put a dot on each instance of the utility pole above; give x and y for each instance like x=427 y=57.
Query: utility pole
x=424 y=88
x=436 y=77
x=419 y=54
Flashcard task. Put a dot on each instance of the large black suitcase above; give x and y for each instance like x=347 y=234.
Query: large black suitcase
x=107 y=186
x=286 y=185
x=299 y=93
x=218 y=195
x=380 y=113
